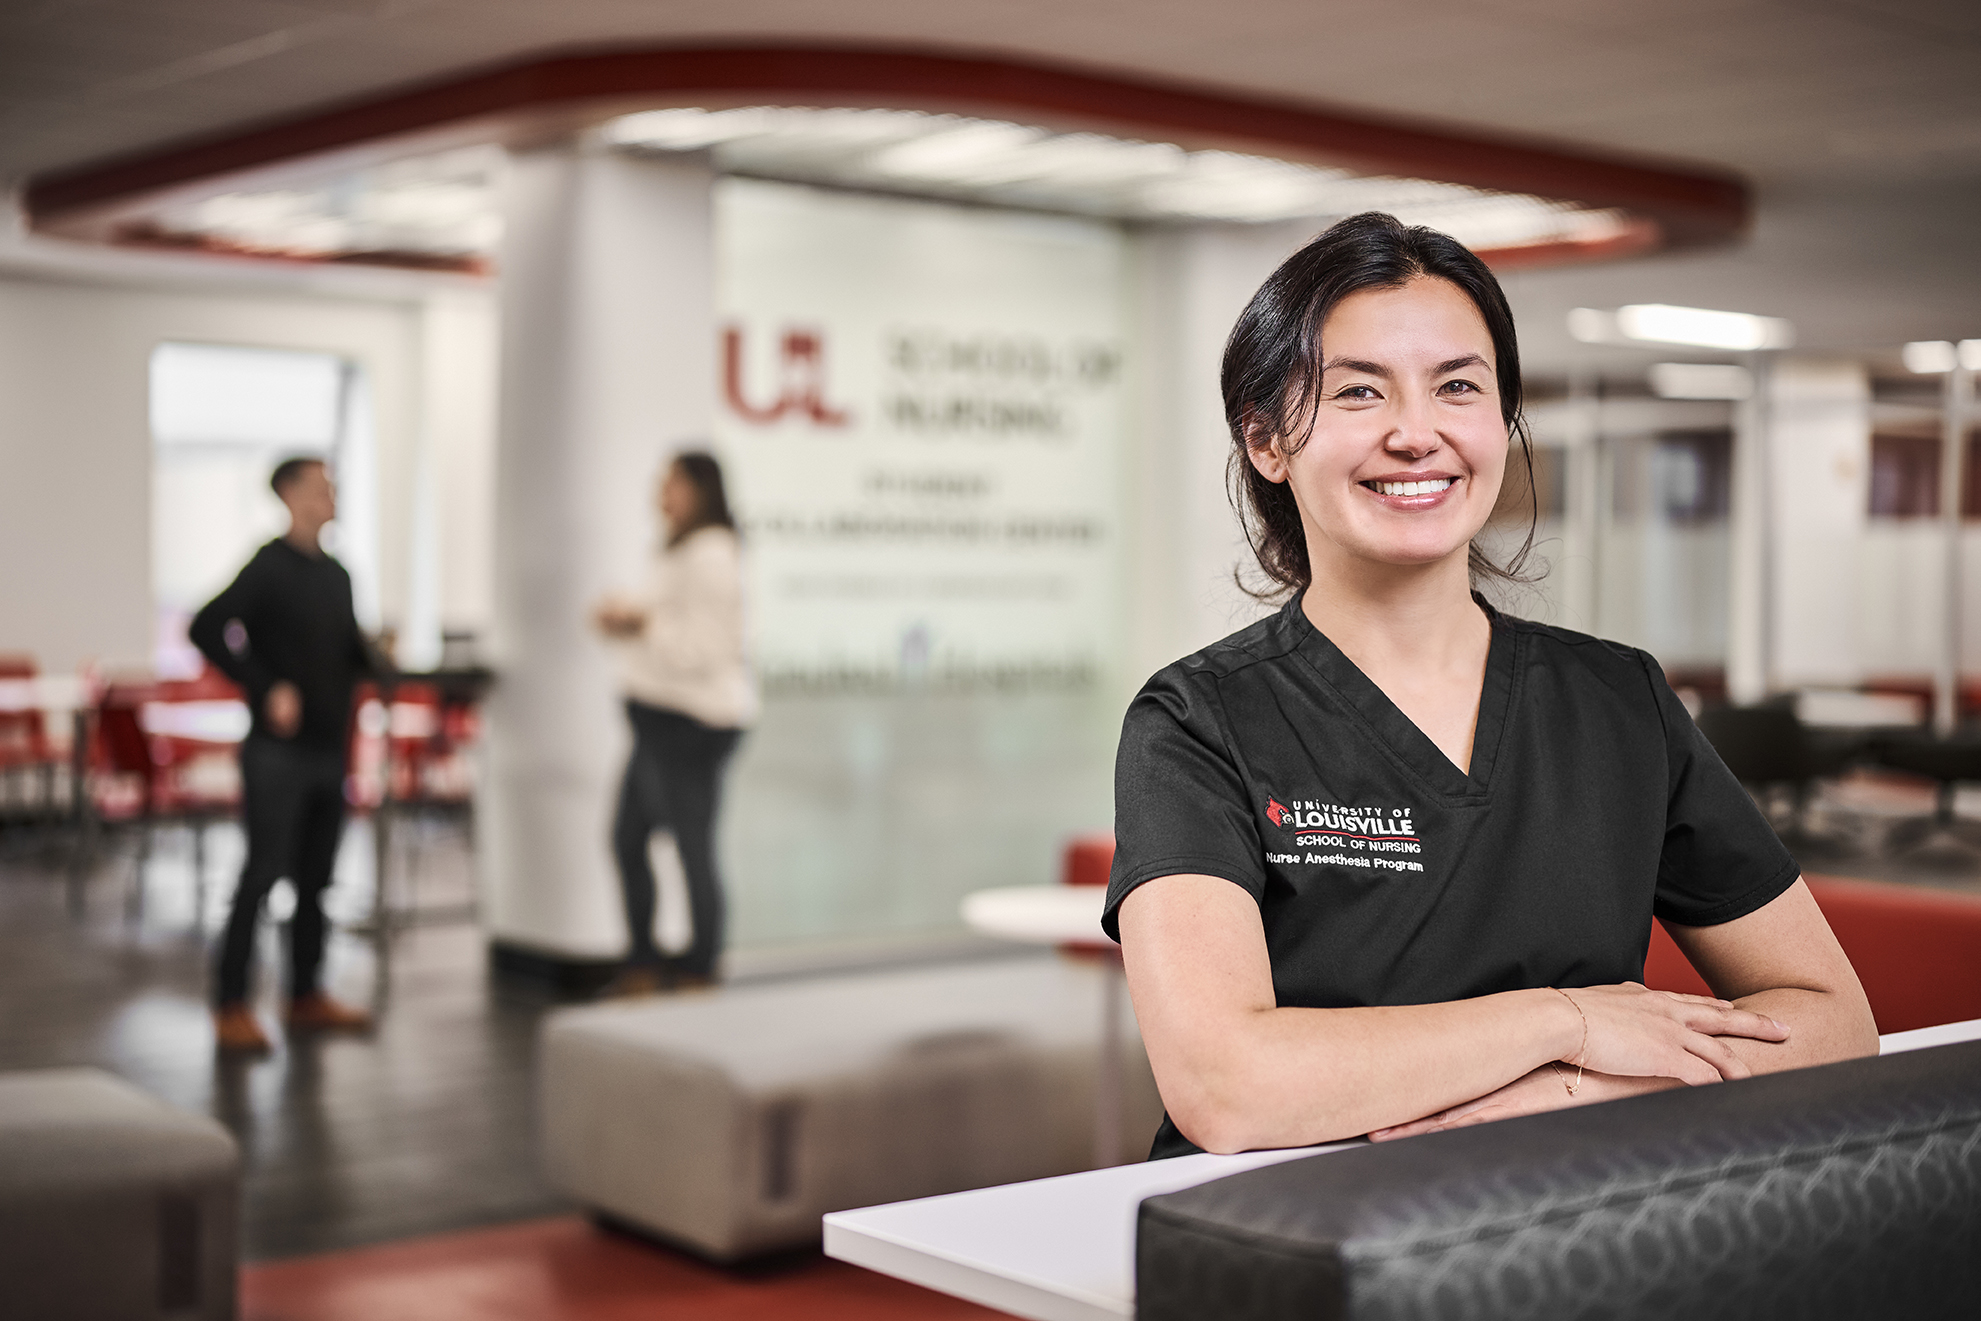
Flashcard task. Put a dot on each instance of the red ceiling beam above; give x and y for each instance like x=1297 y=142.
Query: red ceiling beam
x=1689 y=206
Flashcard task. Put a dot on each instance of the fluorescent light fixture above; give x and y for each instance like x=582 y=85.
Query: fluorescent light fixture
x=1928 y=357
x=960 y=153
x=1700 y=380
x=1662 y=323
x=1004 y=163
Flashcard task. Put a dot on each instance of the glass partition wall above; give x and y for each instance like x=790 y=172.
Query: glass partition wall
x=1630 y=511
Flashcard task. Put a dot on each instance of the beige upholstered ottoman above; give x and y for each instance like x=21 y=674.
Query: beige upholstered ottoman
x=113 y=1205
x=730 y=1122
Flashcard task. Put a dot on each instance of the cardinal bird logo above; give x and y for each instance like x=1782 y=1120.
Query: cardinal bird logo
x=1276 y=813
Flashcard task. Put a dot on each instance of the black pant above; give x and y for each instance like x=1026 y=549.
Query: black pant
x=673 y=782
x=292 y=804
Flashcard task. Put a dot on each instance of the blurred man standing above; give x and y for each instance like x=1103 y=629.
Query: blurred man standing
x=285 y=632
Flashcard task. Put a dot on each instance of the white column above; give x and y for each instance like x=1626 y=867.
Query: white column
x=1954 y=410
x=1750 y=606
x=1819 y=458
x=607 y=363
x=459 y=379
x=1577 y=588
x=1802 y=459
x=449 y=509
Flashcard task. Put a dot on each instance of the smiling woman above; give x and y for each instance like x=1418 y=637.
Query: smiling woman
x=1387 y=861
x=1405 y=291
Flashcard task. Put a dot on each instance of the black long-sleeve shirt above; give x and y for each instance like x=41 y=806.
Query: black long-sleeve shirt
x=296 y=623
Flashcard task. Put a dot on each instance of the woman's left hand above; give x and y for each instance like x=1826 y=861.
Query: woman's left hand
x=1536 y=1093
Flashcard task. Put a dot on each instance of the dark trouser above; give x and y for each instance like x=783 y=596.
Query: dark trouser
x=292 y=804
x=673 y=782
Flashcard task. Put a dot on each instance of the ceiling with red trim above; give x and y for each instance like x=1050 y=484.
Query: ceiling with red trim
x=1858 y=122
x=1781 y=90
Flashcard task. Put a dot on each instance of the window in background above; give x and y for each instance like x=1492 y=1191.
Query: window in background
x=1692 y=476
x=1665 y=554
x=221 y=419
x=1905 y=477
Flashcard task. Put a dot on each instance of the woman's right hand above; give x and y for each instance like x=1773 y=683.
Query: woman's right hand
x=1635 y=1031
x=616 y=619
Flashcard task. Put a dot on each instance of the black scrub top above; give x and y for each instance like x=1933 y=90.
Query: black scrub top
x=1387 y=876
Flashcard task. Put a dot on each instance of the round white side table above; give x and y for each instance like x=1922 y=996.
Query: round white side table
x=1067 y=915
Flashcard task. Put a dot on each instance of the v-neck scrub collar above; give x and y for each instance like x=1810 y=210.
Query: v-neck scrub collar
x=1395 y=732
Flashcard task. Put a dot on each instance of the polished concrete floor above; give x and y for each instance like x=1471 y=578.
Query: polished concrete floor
x=424 y=1125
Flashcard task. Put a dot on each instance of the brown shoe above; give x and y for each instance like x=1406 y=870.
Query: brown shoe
x=235 y=1031
x=638 y=980
x=317 y=1012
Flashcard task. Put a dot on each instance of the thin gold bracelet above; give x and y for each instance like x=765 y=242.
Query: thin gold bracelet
x=1582 y=1055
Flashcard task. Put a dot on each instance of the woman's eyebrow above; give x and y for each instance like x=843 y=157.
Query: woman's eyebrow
x=1367 y=368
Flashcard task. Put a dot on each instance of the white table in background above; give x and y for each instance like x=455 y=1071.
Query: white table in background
x=1064 y=1249
x=54 y=694
x=57 y=695
x=1067 y=915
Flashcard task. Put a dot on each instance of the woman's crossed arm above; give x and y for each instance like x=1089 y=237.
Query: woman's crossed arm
x=1237 y=1072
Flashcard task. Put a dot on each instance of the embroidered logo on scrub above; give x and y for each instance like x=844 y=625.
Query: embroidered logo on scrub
x=1377 y=838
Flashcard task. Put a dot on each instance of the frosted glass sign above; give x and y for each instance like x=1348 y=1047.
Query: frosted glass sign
x=920 y=410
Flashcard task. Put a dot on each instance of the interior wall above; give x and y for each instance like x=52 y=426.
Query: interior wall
x=459 y=332
x=75 y=444
x=1188 y=286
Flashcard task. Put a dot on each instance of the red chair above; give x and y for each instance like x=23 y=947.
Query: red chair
x=148 y=771
x=411 y=771
x=1087 y=860
x=25 y=751
x=1917 y=951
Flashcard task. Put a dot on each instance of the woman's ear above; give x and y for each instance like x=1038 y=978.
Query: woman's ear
x=1263 y=451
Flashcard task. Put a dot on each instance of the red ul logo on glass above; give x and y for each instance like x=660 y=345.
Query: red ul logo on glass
x=800 y=380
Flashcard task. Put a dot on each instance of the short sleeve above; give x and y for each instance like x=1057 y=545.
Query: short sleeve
x=1721 y=859
x=1180 y=805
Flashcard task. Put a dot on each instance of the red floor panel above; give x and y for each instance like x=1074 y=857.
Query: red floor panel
x=564 y=1269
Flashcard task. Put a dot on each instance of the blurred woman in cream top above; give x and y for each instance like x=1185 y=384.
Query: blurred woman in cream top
x=684 y=665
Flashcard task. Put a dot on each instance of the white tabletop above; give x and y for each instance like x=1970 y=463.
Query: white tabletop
x=44 y=692
x=1846 y=709
x=1053 y=1249
x=1064 y=1249
x=222 y=720
x=1041 y=914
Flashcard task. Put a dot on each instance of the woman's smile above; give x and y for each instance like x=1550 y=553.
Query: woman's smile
x=1407 y=492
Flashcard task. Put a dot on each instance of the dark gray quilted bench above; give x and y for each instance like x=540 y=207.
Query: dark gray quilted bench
x=1852 y=1190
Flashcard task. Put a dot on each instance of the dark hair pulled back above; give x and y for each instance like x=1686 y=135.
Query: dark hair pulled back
x=1272 y=378
x=702 y=472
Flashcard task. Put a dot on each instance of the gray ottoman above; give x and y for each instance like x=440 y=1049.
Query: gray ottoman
x=113 y=1205
x=730 y=1122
